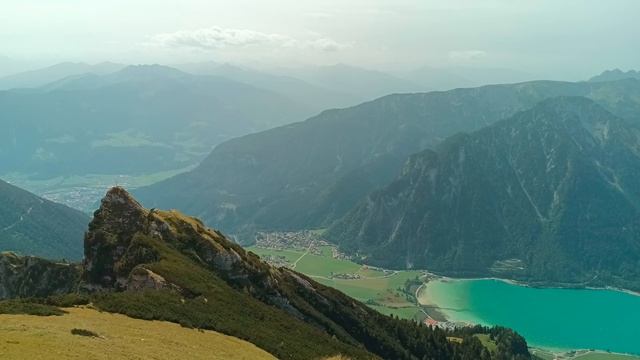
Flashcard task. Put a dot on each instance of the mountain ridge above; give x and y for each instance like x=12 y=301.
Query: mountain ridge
x=535 y=197
x=309 y=174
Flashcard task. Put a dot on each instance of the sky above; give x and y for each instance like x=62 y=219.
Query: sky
x=549 y=38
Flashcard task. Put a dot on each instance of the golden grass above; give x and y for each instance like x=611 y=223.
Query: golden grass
x=121 y=337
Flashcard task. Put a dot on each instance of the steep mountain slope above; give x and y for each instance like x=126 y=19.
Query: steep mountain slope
x=157 y=118
x=40 y=77
x=551 y=195
x=616 y=74
x=307 y=175
x=158 y=265
x=34 y=226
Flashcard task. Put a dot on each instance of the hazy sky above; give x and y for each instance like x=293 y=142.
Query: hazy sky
x=561 y=38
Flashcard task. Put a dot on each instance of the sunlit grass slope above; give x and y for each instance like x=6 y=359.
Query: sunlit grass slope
x=120 y=337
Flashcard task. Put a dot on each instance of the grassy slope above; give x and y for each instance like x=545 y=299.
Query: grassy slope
x=372 y=285
x=34 y=337
x=217 y=306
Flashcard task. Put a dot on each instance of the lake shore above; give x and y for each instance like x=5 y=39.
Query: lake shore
x=534 y=285
x=426 y=299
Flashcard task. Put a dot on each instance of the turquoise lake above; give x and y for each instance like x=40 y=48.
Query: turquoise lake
x=565 y=319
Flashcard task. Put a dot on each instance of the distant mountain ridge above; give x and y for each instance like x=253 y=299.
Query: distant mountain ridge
x=31 y=225
x=550 y=195
x=317 y=98
x=310 y=174
x=155 y=117
x=616 y=74
x=363 y=83
x=41 y=77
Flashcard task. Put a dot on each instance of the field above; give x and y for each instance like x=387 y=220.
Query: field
x=119 y=337
x=383 y=291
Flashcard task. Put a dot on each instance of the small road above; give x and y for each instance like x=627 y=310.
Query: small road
x=295 y=263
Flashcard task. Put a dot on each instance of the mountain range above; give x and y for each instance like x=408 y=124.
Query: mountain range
x=40 y=77
x=31 y=225
x=162 y=265
x=549 y=195
x=314 y=96
x=310 y=174
x=138 y=120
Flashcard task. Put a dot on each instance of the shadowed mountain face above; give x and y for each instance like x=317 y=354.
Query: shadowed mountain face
x=159 y=265
x=31 y=225
x=309 y=174
x=551 y=195
x=138 y=120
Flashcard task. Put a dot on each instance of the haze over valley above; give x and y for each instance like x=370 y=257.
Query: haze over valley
x=329 y=180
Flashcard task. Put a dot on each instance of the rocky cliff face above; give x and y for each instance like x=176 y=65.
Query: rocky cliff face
x=35 y=277
x=125 y=241
x=551 y=194
x=115 y=258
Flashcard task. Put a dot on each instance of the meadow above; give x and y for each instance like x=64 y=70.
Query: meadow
x=383 y=291
x=100 y=335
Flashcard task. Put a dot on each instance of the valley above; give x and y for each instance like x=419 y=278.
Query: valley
x=83 y=192
x=319 y=180
x=558 y=321
x=383 y=290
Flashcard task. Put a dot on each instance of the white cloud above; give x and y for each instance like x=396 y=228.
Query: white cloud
x=326 y=44
x=220 y=38
x=466 y=55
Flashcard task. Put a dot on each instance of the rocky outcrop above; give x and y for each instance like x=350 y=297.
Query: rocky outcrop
x=35 y=277
x=117 y=247
x=142 y=279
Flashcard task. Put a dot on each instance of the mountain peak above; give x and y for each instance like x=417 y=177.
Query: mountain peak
x=118 y=196
x=615 y=74
x=119 y=206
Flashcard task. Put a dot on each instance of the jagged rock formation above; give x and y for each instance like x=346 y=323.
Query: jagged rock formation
x=115 y=259
x=35 y=277
x=551 y=195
